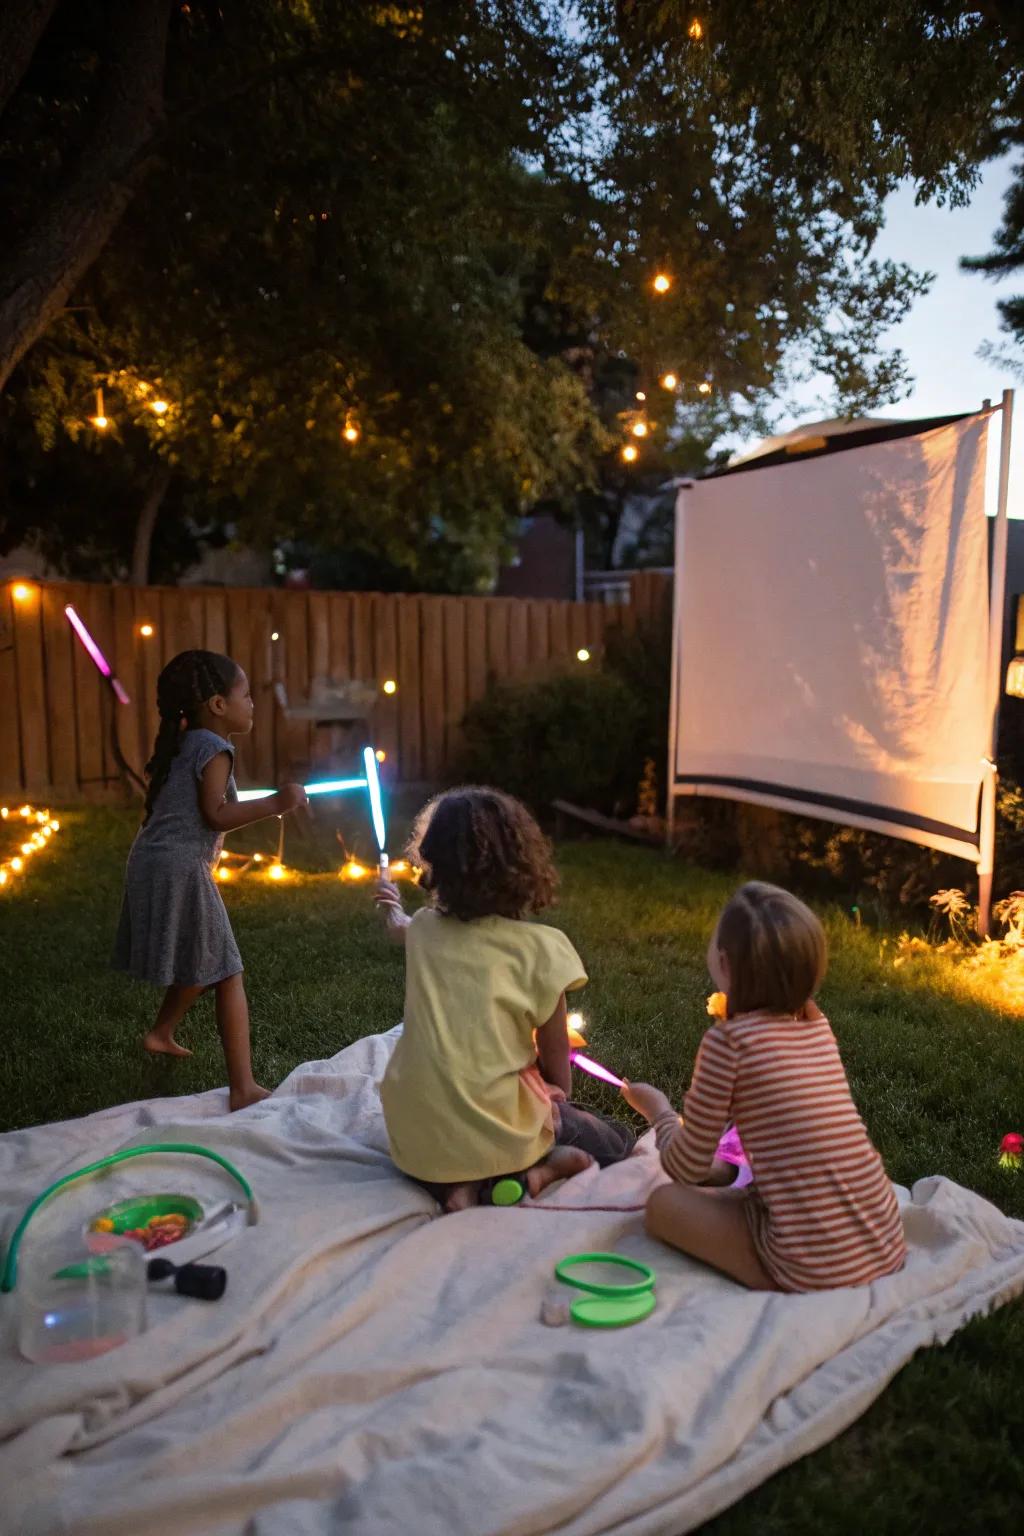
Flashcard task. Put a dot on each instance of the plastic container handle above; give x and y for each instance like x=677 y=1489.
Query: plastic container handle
x=10 y=1273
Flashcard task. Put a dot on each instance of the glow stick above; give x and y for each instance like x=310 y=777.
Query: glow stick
x=321 y=787
x=595 y=1069
x=376 y=806
x=100 y=661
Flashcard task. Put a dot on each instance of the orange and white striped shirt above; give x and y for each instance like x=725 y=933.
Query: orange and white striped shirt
x=822 y=1211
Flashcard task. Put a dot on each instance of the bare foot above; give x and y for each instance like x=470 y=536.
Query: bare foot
x=560 y=1163
x=163 y=1045
x=241 y=1098
x=462 y=1197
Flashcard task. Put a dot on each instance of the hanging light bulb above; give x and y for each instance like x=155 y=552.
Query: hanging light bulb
x=629 y=453
x=662 y=282
x=390 y=686
x=669 y=381
x=21 y=592
x=582 y=654
x=350 y=431
x=101 y=421
x=640 y=429
x=146 y=631
x=640 y=395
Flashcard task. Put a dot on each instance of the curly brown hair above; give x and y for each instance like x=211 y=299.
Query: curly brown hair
x=482 y=855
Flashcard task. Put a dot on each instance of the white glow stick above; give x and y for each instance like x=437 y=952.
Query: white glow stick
x=322 y=787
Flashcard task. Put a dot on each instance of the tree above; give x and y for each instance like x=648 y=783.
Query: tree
x=391 y=269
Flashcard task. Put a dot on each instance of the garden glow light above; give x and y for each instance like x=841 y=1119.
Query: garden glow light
x=100 y=661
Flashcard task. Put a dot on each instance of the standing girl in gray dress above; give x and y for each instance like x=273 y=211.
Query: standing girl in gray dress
x=174 y=929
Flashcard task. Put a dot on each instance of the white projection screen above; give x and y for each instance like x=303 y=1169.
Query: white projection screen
x=832 y=637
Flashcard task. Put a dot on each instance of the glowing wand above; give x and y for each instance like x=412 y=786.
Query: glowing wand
x=96 y=655
x=376 y=807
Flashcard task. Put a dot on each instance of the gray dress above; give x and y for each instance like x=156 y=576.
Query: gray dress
x=174 y=927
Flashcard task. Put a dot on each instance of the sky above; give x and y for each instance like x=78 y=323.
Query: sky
x=945 y=328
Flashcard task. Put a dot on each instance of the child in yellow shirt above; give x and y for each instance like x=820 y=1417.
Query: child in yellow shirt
x=478 y=1085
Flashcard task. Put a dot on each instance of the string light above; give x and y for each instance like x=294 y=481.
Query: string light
x=223 y=873
x=350 y=431
x=582 y=654
x=390 y=686
x=146 y=631
x=21 y=592
x=629 y=453
x=276 y=871
x=44 y=828
x=640 y=429
x=353 y=870
x=669 y=381
x=274 y=635
x=159 y=407
x=696 y=30
x=641 y=394
x=381 y=755
x=662 y=282
x=705 y=388
x=101 y=421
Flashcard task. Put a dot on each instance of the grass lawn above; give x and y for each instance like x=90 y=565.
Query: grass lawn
x=938 y=1077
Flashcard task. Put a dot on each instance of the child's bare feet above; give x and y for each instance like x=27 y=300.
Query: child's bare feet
x=560 y=1163
x=163 y=1045
x=462 y=1197
x=241 y=1098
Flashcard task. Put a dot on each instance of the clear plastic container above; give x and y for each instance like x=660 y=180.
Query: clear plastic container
x=73 y=1304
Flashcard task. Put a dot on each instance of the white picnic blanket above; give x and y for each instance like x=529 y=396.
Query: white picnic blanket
x=379 y=1370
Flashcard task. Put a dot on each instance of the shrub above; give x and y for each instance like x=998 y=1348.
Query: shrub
x=576 y=736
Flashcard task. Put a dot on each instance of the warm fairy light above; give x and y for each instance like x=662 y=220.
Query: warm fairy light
x=17 y=865
x=100 y=420
x=350 y=431
x=705 y=388
x=629 y=453
x=4 y=811
x=669 y=381
x=390 y=686
x=21 y=592
x=223 y=873
x=54 y=826
x=398 y=867
x=662 y=282
x=274 y=635
x=381 y=755
x=146 y=631
x=26 y=849
x=353 y=870
x=25 y=811
x=640 y=429
x=582 y=654
x=276 y=871
x=641 y=394
x=257 y=858
x=696 y=30
x=42 y=831
x=4 y=877
x=158 y=407
x=42 y=816
x=223 y=854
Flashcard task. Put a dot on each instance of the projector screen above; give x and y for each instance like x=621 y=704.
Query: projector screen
x=832 y=636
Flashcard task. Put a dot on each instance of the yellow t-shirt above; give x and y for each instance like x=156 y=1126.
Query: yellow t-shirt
x=457 y=1094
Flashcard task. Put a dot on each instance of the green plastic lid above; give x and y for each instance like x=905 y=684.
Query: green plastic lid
x=612 y=1311
x=507 y=1192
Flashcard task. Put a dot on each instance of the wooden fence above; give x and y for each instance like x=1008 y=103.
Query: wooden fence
x=56 y=715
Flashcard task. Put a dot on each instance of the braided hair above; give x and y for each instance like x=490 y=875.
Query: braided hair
x=183 y=687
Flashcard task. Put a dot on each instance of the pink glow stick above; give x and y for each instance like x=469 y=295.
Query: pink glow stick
x=97 y=656
x=595 y=1069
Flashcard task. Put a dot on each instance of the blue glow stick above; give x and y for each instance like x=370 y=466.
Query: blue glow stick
x=376 y=804
x=322 y=787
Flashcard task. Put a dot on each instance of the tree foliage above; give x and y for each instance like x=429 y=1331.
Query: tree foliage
x=436 y=229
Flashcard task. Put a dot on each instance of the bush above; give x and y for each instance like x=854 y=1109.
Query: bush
x=576 y=736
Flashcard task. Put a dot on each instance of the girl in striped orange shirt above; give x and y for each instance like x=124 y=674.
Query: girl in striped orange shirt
x=821 y=1212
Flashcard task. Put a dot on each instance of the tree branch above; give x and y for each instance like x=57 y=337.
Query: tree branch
x=22 y=24
x=45 y=265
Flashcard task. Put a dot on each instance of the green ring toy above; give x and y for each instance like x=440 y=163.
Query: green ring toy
x=10 y=1270
x=597 y=1288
